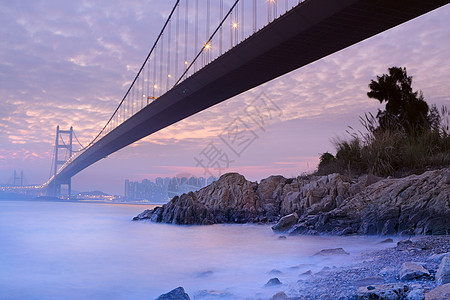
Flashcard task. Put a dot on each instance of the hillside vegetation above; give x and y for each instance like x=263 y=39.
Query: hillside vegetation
x=406 y=137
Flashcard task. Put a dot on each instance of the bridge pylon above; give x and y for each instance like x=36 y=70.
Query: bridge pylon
x=18 y=179
x=54 y=189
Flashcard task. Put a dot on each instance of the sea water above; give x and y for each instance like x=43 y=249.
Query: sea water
x=57 y=250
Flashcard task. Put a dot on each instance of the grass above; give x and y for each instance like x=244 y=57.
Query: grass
x=389 y=153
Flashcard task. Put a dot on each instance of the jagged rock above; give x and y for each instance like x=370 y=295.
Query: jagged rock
x=175 y=294
x=286 y=222
x=279 y=296
x=391 y=291
x=334 y=251
x=410 y=270
x=443 y=273
x=268 y=196
x=442 y=292
x=272 y=282
x=333 y=204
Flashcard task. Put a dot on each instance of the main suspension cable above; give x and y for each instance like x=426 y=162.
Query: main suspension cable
x=135 y=78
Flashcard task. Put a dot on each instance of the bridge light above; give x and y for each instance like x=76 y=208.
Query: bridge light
x=207 y=46
x=235 y=25
x=155 y=86
x=168 y=75
x=185 y=62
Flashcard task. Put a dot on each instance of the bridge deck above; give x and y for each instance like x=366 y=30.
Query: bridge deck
x=308 y=32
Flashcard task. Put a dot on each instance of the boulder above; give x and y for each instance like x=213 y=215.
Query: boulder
x=404 y=243
x=306 y=273
x=391 y=291
x=410 y=270
x=286 y=222
x=175 y=294
x=334 y=251
x=443 y=273
x=416 y=293
x=442 y=292
x=273 y=281
x=437 y=258
x=279 y=296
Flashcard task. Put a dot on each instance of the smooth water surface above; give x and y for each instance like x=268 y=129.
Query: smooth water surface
x=56 y=250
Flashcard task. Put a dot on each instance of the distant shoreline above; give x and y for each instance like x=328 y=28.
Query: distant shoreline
x=51 y=199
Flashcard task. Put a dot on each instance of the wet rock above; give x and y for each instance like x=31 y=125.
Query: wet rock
x=286 y=222
x=205 y=273
x=333 y=251
x=442 y=292
x=386 y=241
x=391 y=291
x=416 y=293
x=272 y=282
x=275 y=272
x=306 y=273
x=417 y=204
x=443 y=273
x=212 y=294
x=368 y=281
x=438 y=257
x=279 y=296
x=334 y=204
x=268 y=196
x=410 y=270
x=175 y=294
x=403 y=243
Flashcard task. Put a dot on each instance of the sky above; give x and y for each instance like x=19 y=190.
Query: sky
x=69 y=63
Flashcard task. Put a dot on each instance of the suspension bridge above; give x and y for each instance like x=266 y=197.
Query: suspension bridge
x=209 y=51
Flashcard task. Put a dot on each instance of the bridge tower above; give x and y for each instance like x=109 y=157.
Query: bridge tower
x=18 y=178
x=55 y=188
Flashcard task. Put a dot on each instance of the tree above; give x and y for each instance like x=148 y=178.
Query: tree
x=405 y=110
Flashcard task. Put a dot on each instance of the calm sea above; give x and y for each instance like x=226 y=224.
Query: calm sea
x=55 y=250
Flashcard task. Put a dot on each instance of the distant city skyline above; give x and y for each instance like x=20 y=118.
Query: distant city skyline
x=164 y=189
x=69 y=64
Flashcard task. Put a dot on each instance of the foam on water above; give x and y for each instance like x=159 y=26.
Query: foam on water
x=54 y=250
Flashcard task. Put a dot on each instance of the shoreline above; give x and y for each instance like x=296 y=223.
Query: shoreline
x=379 y=267
x=371 y=274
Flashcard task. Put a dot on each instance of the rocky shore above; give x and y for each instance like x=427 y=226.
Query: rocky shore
x=411 y=269
x=332 y=204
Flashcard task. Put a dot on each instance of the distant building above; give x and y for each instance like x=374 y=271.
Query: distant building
x=163 y=190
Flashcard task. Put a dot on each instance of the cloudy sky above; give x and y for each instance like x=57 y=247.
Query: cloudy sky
x=69 y=63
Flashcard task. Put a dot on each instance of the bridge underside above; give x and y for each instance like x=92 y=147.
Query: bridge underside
x=309 y=32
